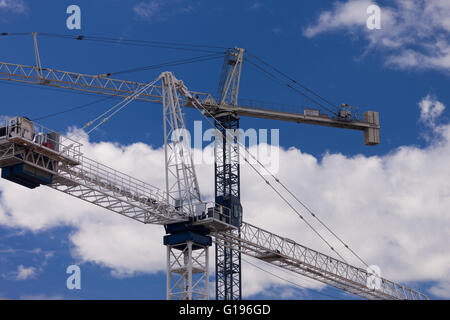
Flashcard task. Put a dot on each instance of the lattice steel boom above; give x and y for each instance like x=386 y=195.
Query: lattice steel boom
x=287 y=254
x=99 y=84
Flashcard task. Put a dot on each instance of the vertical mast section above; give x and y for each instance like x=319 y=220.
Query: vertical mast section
x=231 y=77
x=187 y=245
x=37 y=56
x=187 y=270
x=181 y=180
x=227 y=177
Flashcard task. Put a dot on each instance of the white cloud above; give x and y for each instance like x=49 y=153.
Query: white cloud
x=391 y=209
x=430 y=110
x=344 y=15
x=15 y=6
x=415 y=33
x=441 y=290
x=24 y=273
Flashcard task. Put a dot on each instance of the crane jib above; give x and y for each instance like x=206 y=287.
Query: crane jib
x=100 y=84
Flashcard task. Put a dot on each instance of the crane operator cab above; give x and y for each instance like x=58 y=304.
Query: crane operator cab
x=218 y=217
x=233 y=212
x=17 y=136
x=30 y=153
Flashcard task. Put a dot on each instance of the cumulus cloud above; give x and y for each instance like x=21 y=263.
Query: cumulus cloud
x=343 y=15
x=391 y=209
x=415 y=33
x=14 y=6
x=24 y=273
x=430 y=110
x=441 y=290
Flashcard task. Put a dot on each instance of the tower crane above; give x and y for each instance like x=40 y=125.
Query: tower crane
x=32 y=155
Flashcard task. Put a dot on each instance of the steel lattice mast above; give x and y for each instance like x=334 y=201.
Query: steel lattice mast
x=227 y=177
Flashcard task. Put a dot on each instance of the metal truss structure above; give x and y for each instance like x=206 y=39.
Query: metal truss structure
x=231 y=77
x=181 y=179
x=102 y=84
x=289 y=255
x=187 y=271
x=227 y=188
x=226 y=148
x=110 y=189
x=98 y=84
x=228 y=266
x=227 y=176
x=90 y=180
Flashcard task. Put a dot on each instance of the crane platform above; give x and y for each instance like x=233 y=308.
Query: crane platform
x=30 y=154
x=20 y=132
x=216 y=218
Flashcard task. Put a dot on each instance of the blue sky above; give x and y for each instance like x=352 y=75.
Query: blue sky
x=323 y=44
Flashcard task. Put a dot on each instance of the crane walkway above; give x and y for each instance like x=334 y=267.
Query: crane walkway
x=289 y=255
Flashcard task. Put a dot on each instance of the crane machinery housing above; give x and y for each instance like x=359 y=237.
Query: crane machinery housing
x=32 y=155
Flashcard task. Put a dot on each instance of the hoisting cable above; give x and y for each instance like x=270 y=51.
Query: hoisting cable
x=105 y=116
x=202 y=110
x=183 y=44
x=292 y=194
x=292 y=80
x=320 y=221
x=295 y=210
x=289 y=281
x=284 y=279
x=286 y=189
x=310 y=211
x=15 y=34
x=72 y=109
x=170 y=63
x=140 y=43
x=155 y=66
x=284 y=83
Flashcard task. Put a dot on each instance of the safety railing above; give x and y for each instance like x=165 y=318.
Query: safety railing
x=117 y=182
x=21 y=127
